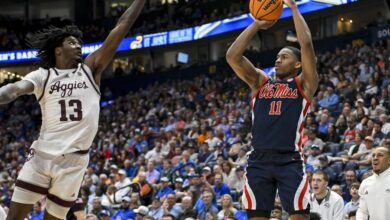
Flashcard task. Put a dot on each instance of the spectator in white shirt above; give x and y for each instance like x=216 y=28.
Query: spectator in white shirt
x=375 y=190
x=120 y=185
x=325 y=202
x=354 y=203
x=385 y=124
x=155 y=154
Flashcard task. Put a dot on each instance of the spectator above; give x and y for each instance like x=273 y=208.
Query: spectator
x=104 y=214
x=375 y=187
x=155 y=210
x=220 y=188
x=96 y=207
x=165 y=188
x=37 y=213
x=208 y=207
x=349 y=178
x=313 y=140
x=314 y=154
x=122 y=185
x=385 y=124
x=276 y=213
x=155 y=154
x=170 y=206
x=167 y=170
x=236 y=180
x=331 y=99
x=152 y=175
x=327 y=203
x=325 y=167
x=359 y=146
x=146 y=190
x=227 y=207
x=168 y=217
x=135 y=200
x=188 y=210
x=352 y=205
x=337 y=189
x=141 y=212
x=125 y=212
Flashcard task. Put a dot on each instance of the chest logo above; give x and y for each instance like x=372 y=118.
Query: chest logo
x=66 y=89
x=278 y=90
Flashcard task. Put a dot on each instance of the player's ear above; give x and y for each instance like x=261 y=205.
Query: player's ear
x=57 y=51
x=298 y=65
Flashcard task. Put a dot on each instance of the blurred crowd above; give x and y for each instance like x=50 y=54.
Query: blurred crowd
x=155 y=17
x=177 y=150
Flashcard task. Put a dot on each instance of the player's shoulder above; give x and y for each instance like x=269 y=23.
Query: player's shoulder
x=367 y=182
x=37 y=75
x=336 y=197
x=40 y=70
x=86 y=68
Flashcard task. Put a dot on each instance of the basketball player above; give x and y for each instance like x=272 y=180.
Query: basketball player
x=68 y=92
x=278 y=108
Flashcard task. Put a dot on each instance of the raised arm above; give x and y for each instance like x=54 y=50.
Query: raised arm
x=99 y=60
x=309 y=76
x=239 y=63
x=10 y=92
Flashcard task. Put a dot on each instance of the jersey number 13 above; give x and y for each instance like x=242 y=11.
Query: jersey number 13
x=77 y=109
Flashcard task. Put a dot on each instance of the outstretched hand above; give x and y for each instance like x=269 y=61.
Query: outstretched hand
x=290 y=3
x=264 y=25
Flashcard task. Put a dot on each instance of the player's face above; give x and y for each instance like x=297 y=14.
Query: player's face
x=286 y=63
x=71 y=49
x=380 y=160
x=318 y=183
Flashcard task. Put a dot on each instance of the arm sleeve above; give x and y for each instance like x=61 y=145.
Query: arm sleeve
x=37 y=78
x=339 y=210
x=362 y=212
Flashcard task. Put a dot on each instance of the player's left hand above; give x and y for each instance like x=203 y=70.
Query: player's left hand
x=290 y=3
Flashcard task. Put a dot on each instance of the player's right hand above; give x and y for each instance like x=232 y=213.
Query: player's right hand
x=263 y=25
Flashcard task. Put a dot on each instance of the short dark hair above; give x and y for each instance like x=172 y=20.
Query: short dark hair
x=315 y=216
x=355 y=185
x=169 y=215
x=295 y=51
x=351 y=214
x=320 y=172
x=48 y=39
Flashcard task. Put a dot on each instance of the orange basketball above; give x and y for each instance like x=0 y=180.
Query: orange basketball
x=268 y=10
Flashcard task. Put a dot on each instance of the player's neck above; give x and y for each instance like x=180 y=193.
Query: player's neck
x=65 y=64
x=290 y=76
x=322 y=194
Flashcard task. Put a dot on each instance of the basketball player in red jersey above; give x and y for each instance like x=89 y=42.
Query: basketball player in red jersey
x=279 y=107
x=67 y=89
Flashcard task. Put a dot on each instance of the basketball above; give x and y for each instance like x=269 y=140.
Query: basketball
x=268 y=10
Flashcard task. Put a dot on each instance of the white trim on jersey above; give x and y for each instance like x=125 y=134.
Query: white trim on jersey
x=248 y=197
x=302 y=196
x=298 y=136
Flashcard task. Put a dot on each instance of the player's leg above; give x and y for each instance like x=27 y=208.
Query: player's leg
x=293 y=186
x=68 y=173
x=18 y=210
x=32 y=184
x=260 y=188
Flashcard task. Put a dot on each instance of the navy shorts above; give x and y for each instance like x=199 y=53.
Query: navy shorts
x=269 y=171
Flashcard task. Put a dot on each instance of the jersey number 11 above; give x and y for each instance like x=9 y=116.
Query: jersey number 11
x=275 y=109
